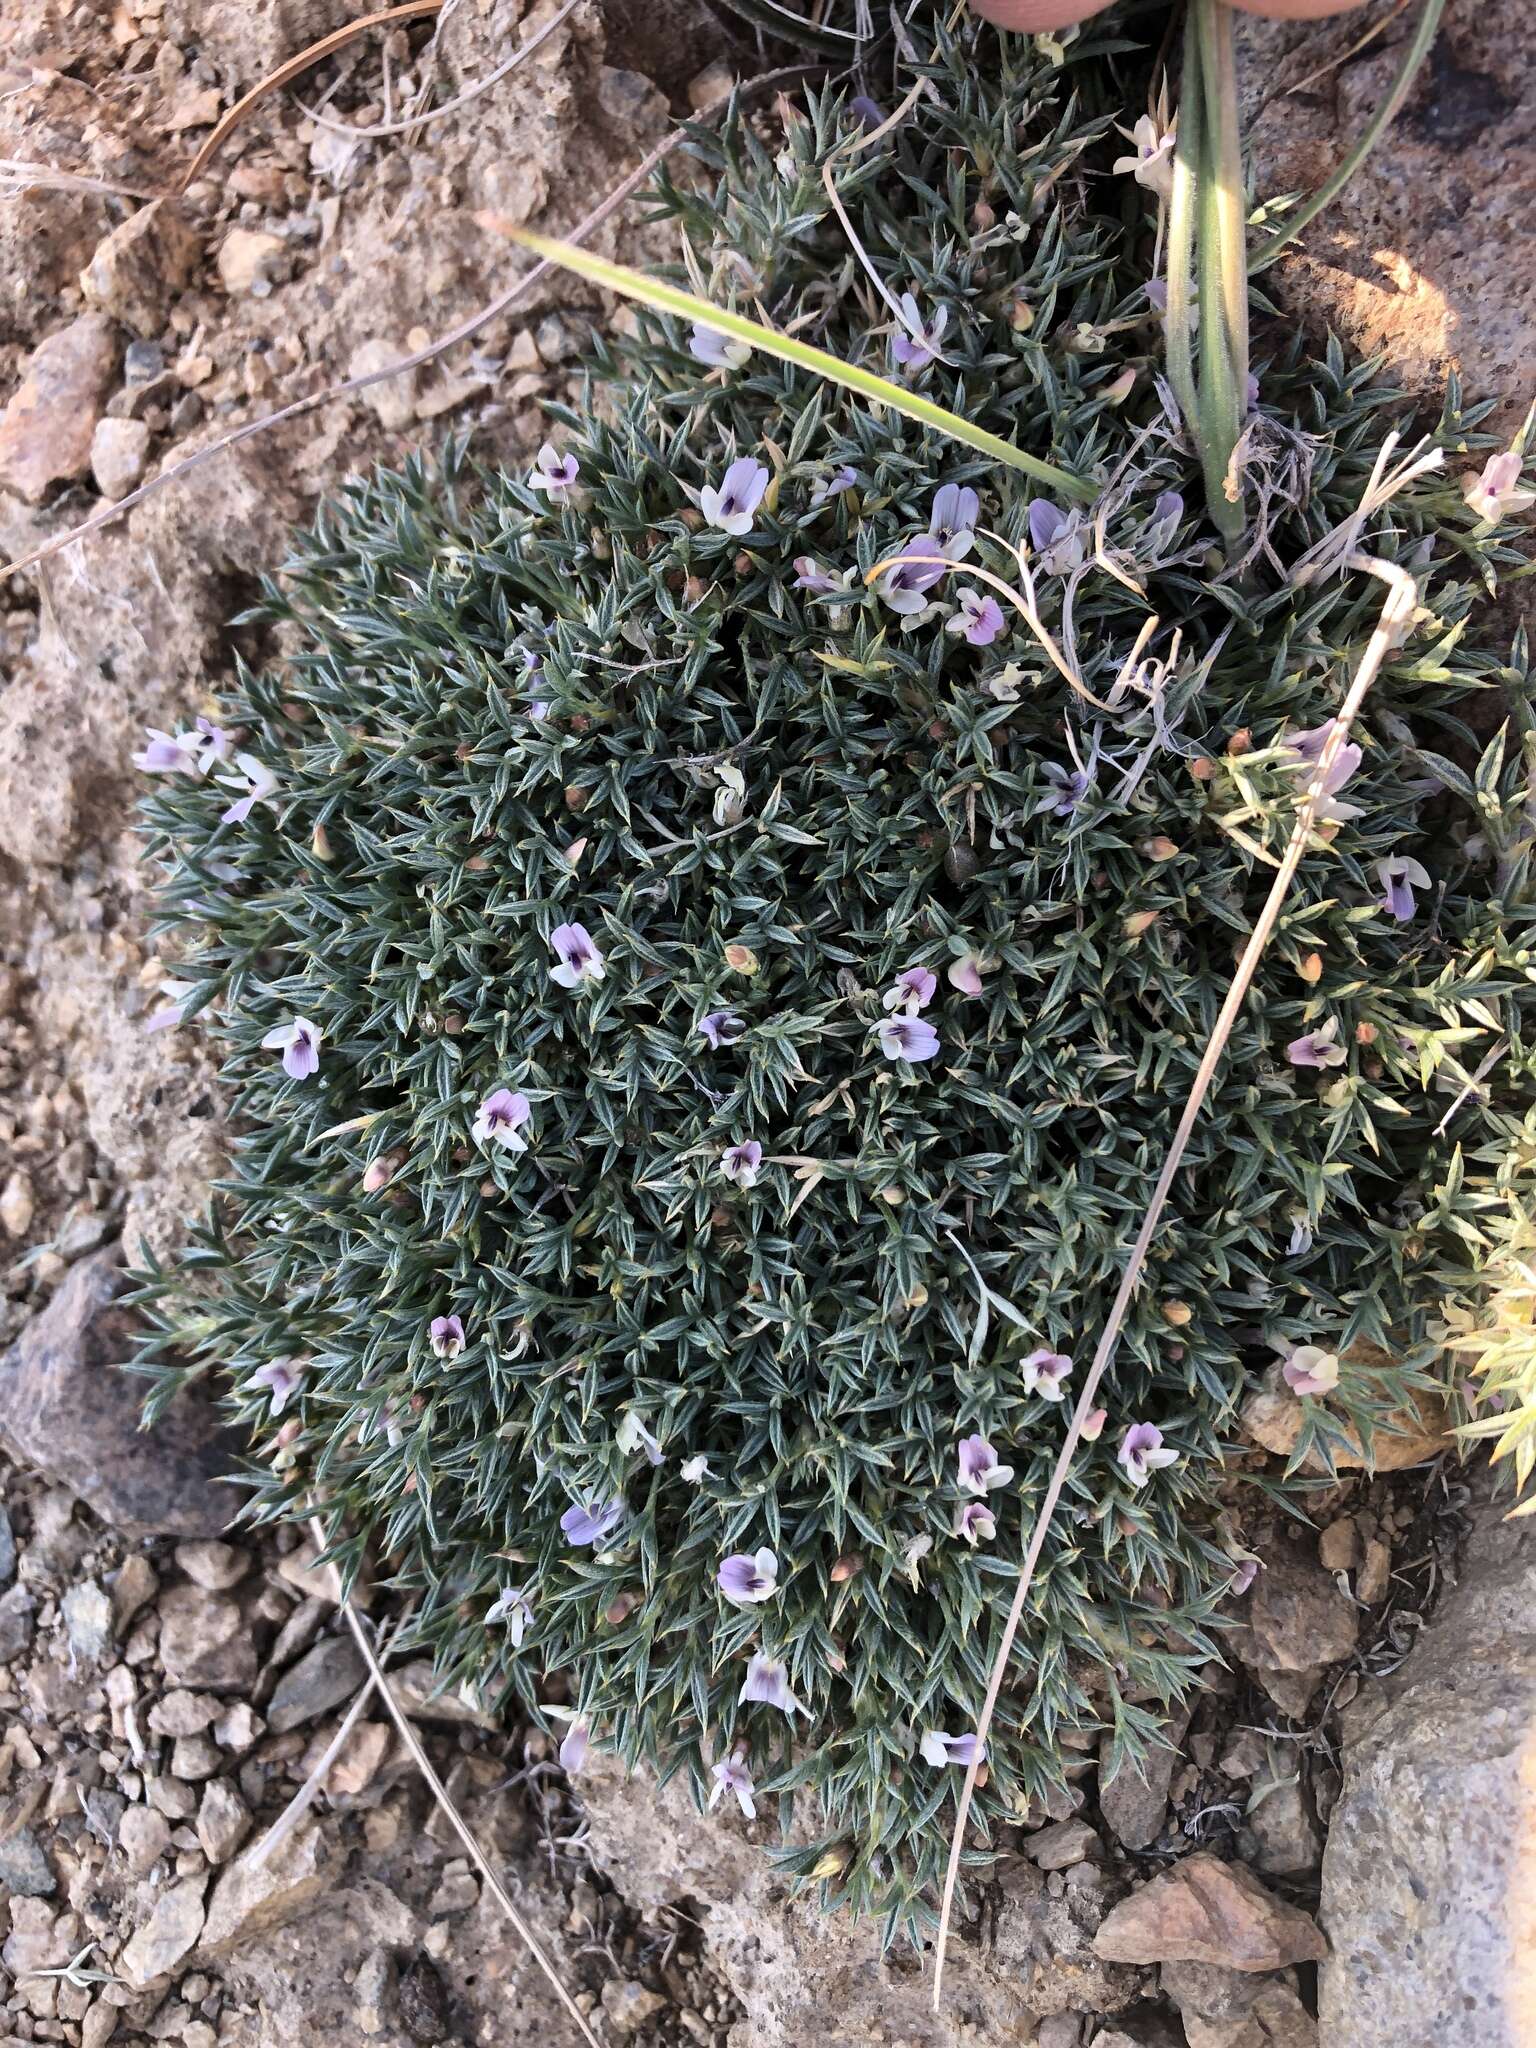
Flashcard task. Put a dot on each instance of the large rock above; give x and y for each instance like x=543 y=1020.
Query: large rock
x=1297 y=1622
x=1207 y=1911
x=1429 y=1882
x=67 y=1408
x=253 y=1898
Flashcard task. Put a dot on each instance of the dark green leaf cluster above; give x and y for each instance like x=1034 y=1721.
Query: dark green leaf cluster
x=491 y=712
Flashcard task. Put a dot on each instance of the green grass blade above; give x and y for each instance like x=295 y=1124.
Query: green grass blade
x=667 y=298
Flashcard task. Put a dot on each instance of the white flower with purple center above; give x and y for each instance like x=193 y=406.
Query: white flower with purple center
x=811 y=577
x=1311 y=1370
x=299 y=1043
x=1068 y=788
x=1056 y=537
x=553 y=472
x=1318 y=1048
x=721 y=1028
x=1143 y=1452
x=908 y=1038
x=939 y=1749
x=1399 y=875
x=1152 y=164
x=917 y=342
x=732 y=507
x=912 y=573
x=912 y=990
x=975 y=1521
x=720 y=351
x=740 y=1163
x=183 y=753
x=1046 y=1373
x=588 y=1522
x=256 y=783
x=980 y=1472
x=731 y=1775
x=446 y=1336
x=500 y=1118
x=747 y=1581
x=767 y=1682
x=833 y=486
x=511 y=1606
x=280 y=1380
x=979 y=618
x=632 y=1436
x=578 y=958
x=1495 y=492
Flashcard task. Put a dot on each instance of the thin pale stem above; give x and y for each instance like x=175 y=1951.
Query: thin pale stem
x=1181 y=229
x=1223 y=271
x=1396 y=614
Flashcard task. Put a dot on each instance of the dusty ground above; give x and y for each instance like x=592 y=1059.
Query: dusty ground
x=131 y=1773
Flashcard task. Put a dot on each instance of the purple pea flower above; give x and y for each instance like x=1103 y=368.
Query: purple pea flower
x=1142 y=1452
x=913 y=990
x=732 y=1775
x=280 y=1379
x=512 y=1606
x=553 y=472
x=865 y=111
x=1301 y=1237
x=809 y=576
x=1311 y=1370
x=917 y=346
x=1168 y=508
x=739 y=1163
x=975 y=1521
x=939 y=1749
x=1318 y=1048
x=1046 y=1373
x=299 y=1042
x=952 y=522
x=908 y=1038
x=767 y=1682
x=1308 y=748
x=173 y=1008
x=578 y=956
x=256 y=784
x=1399 y=876
x=1244 y=1571
x=731 y=508
x=913 y=573
x=574 y=1746
x=1495 y=492
x=446 y=1335
x=1068 y=788
x=1055 y=537
x=500 y=1118
x=721 y=1028
x=748 y=1581
x=979 y=618
x=585 y=1525
x=720 y=351
x=842 y=479
x=184 y=753
x=980 y=1472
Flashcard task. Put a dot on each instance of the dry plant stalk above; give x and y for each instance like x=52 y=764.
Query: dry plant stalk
x=1396 y=614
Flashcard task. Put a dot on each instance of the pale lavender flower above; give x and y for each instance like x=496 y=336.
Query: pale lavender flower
x=980 y=618
x=1068 y=788
x=553 y=472
x=842 y=479
x=721 y=1028
x=865 y=111
x=694 y=1471
x=1157 y=295
x=1142 y=1452
x=578 y=956
x=939 y=1749
x=1318 y=1048
x=1399 y=876
x=975 y=1521
x=280 y=1379
x=965 y=973
x=1308 y=748
x=574 y=1745
x=1251 y=392
x=632 y=1435
x=1301 y=1237
x=1045 y=1373
x=739 y=1163
x=731 y=508
x=913 y=990
x=720 y=351
x=500 y=1118
x=1152 y=163
x=916 y=344
x=1055 y=536
x=908 y=1038
x=912 y=574
x=1168 y=508
x=588 y=1524
x=767 y=1682
x=256 y=784
x=952 y=522
x=184 y=753
x=446 y=1336
x=299 y=1042
x=1311 y=1370
x=980 y=1472
x=176 y=994
x=1495 y=492
x=818 y=581
x=731 y=1775
x=512 y=1606
x=746 y=1581
x=1244 y=1571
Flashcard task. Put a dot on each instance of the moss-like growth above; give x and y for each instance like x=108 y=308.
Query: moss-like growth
x=764 y=794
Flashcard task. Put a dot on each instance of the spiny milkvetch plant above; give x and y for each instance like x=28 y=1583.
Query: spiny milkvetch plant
x=706 y=1011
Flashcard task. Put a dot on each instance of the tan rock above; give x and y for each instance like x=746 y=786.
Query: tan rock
x=358 y=1764
x=1276 y=2019
x=1272 y=1418
x=1207 y=1911
x=1338 y=1546
x=248 y=1901
x=155 y=1949
x=223 y=1821
x=141 y=266
x=247 y=258
x=119 y=456
x=45 y=434
x=1375 y=1573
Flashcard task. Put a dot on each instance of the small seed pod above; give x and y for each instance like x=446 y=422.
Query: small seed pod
x=1311 y=969
x=846 y=1568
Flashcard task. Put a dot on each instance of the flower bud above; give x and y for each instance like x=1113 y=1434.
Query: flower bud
x=1311 y=969
x=741 y=959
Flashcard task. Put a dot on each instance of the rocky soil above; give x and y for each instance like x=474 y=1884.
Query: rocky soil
x=167 y=1685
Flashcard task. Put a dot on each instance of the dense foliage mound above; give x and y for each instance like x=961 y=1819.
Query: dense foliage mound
x=704 y=1034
